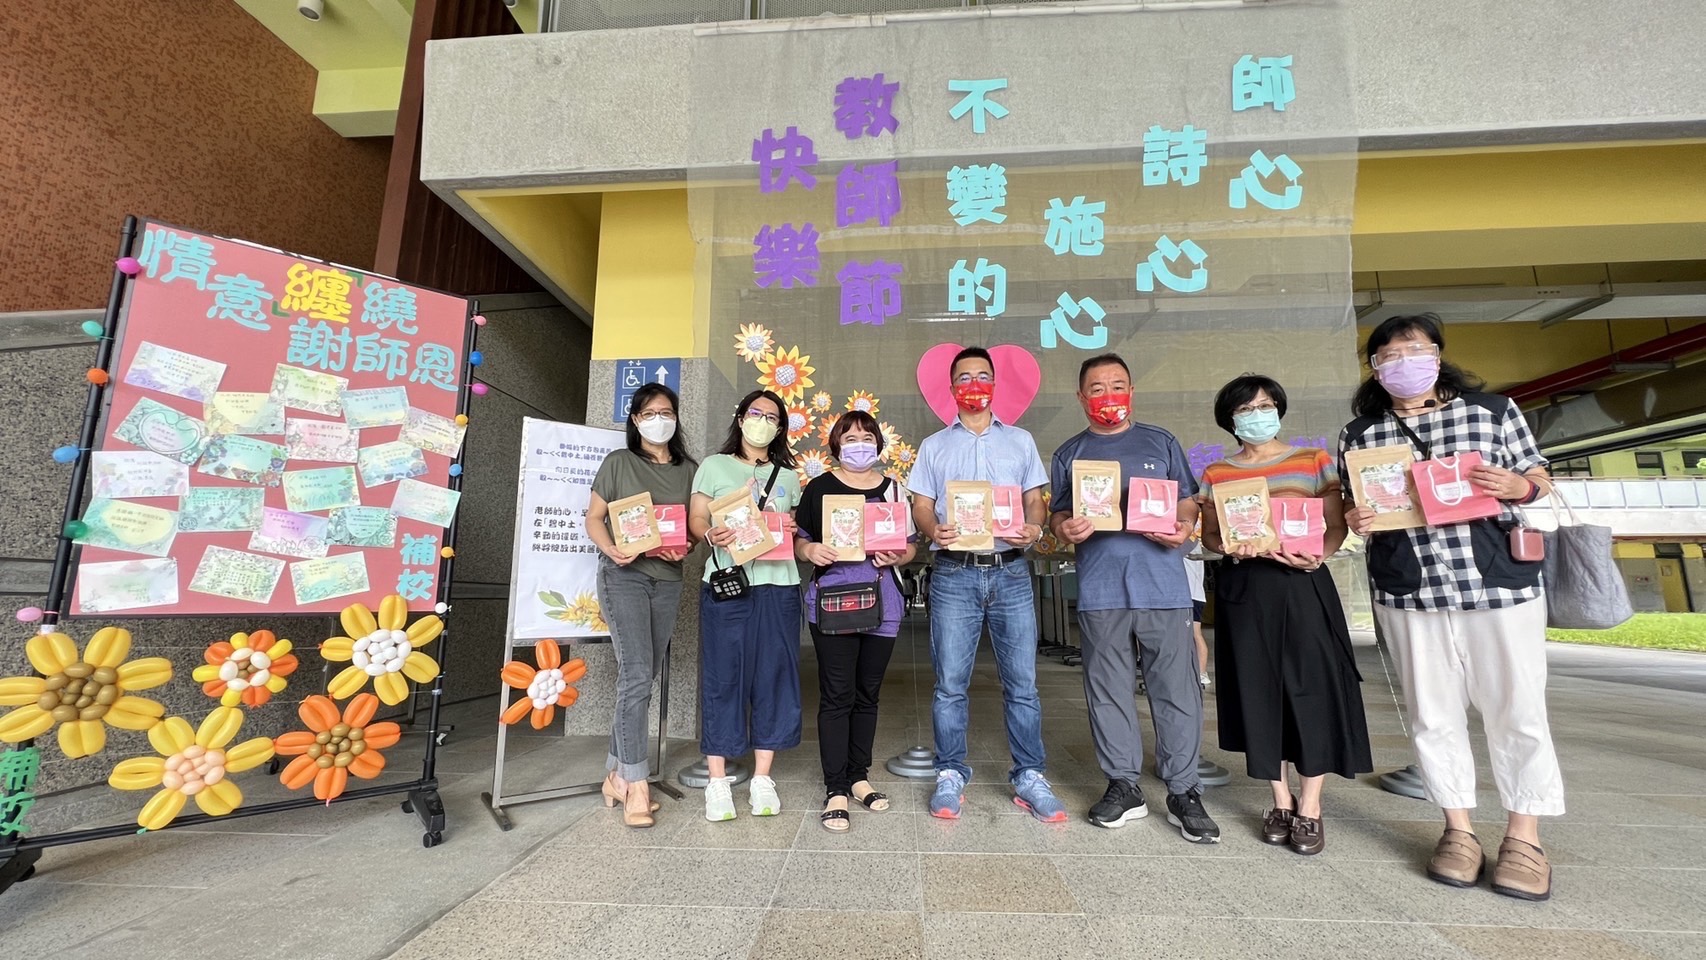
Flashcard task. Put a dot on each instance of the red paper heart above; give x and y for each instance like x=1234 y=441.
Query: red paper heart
x=1017 y=377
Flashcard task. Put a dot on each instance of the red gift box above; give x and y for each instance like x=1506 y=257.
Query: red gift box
x=1446 y=493
x=885 y=527
x=1007 y=513
x=672 y=526
x=1301 y=523
x=784 y=549
x=1152 y=505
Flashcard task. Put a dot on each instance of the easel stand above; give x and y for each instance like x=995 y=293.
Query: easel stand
x=19 y=853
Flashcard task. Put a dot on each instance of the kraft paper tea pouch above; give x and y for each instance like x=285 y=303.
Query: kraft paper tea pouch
x=971 y=511
x=844 y=526
x=1380 y=479
x=1007 y=514
x=1243 y=510
x=1096 y=493
x=738 y=511
x=634 y=525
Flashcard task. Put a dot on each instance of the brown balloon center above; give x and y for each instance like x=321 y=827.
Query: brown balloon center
x=80 y=692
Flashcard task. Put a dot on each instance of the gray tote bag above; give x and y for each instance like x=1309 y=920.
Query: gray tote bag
x=1584 y=590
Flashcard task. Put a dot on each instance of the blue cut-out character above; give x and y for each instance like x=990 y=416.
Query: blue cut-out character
x=1076 y=226
x=1262 y=81
x=318 y=346
x=191 y=256
x=786 y=256
x=1058 y=324
x=1203 y=454
x=975 y=192
x=435 y=366
x=239 y=298
x=870 y=292
x=967 y=287
x=865 y=106
x=385 y=306
x=976 y=101
x=862 y=193
x=783 y=158
x=377 y=354
x=1249 y=183
x=1157 y=267
x=421 y=551
x=1177 y=155
x=414 y=584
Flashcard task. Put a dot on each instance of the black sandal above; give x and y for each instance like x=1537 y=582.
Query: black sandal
x=870 y=800
x=835 y=821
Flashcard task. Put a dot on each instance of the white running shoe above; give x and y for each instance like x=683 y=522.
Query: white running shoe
x=720 y=799
x=762 y=792
x=1203 y=679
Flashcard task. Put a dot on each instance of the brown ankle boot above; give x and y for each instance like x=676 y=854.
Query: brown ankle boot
x=1523 y=871
x=1457 y=859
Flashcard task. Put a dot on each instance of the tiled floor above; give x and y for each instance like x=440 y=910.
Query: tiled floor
x=351 y=881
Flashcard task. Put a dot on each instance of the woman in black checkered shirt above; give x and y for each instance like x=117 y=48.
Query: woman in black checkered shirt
x=1464 y=618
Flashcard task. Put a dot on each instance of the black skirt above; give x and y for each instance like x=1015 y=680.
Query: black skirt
x=1287 y=683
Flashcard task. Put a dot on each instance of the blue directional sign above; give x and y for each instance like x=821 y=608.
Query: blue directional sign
x=631 y=375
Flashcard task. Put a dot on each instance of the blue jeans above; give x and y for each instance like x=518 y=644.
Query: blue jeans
x=962 y=599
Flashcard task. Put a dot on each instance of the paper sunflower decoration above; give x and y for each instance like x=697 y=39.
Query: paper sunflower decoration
x=752 y=342
x=192 y=763
x=547 y=687
x=383 y=650
x=901 y=454
x=891 y=436
x=82 y=692
x=335 y=747
x=813 y=464
x=786 y=373
x=821 y=401
x=800 y=422
x=247 y=669
x=824 y=426
x=862 y=400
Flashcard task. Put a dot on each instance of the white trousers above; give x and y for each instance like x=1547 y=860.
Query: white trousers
x=1496 y=660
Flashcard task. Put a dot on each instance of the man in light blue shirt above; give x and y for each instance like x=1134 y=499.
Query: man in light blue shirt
x=969 y=590
x=1134 y=599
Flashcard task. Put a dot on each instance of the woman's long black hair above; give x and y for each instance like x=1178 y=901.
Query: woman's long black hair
x=778 y=453
x=677 y=443
x=1372 y=400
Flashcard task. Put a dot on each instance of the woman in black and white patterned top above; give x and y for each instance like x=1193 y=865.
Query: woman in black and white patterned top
x=1464 y=618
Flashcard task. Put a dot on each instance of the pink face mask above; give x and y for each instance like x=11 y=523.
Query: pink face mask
x=1408 y=376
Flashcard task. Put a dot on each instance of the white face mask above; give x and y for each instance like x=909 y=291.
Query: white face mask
x=657 y=431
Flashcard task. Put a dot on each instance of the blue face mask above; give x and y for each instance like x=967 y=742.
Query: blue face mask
x=1257 y=426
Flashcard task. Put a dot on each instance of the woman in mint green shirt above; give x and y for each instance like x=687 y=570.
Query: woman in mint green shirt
x=749 y=657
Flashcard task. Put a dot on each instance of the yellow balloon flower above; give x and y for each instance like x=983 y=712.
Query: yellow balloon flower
x=81 y=692
x=192 y=764
x=380 y=648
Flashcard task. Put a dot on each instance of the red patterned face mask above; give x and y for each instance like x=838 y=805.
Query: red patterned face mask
x=974 y=396
x=1109 y=409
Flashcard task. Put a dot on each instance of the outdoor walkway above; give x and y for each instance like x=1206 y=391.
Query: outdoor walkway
x=353 y=881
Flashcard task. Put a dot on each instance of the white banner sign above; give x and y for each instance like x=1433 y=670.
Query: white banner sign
x=554 y=593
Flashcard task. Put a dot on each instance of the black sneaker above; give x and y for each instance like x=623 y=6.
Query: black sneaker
x=1122 y=804
x=1184 y=810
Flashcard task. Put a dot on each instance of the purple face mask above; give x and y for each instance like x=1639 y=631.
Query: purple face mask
x=859 y=455
x=1408 y=376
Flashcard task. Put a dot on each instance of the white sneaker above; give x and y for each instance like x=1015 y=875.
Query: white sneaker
x=762 y=792
x=720 y=799
x=1203 y=679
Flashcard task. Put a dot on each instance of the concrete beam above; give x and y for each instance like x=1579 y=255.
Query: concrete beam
x=359 y=103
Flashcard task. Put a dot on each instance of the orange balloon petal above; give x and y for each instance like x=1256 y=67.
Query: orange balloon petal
x=329 y=784
x=368 y=765
x=542 y=718
x=292 y=743
x=568 y=697
x=298 y=773
x=213 y=688
x=256 y=696
x=217 y=652
x=382 y=735
x=518 y=674
x=549 y=655
x=319 y=713
x=261 y=640
x=574 y=670
x=284 y=666
x=361 y=710
x=517 y=710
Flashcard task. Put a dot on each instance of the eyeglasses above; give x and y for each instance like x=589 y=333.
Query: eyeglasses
x=1250 y=408
x=651 y=415
x=1395 y=352
x=766 y=417
x=966 y=378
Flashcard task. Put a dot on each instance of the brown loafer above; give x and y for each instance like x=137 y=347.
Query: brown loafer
x=1523 y=871
x=1457 y=860
x=1276 y=826
x=1308 y=836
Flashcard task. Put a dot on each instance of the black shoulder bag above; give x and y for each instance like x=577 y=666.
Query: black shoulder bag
x=850 y=607
x=730 y=583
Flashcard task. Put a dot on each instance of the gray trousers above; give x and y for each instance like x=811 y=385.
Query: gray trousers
x=1113 y=641
x=641 y=613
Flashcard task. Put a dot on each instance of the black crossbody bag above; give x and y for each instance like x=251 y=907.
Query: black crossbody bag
x=730 y=583
x=850 y=607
